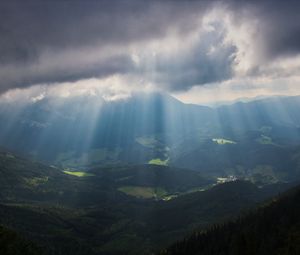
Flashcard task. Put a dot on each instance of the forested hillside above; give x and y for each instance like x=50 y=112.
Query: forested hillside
x=13 y=244
x=273 y=228
x=135 y=209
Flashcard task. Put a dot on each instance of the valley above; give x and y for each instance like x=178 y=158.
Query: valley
x=160 y=130
x=158 y=127
x=148 y=189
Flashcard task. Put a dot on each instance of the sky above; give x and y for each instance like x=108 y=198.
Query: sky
x=198 y=51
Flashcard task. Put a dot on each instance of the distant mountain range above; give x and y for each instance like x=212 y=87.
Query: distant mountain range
x=81 y=132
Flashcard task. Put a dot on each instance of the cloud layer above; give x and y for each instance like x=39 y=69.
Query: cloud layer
x=172 y=45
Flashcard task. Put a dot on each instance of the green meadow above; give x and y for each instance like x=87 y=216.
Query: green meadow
x=78 y=173
x=159 y=162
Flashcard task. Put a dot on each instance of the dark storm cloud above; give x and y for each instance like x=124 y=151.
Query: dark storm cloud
x=19 y=78
x=279 y=24
x=33 y=31
x=282 y=28
x=28 y=27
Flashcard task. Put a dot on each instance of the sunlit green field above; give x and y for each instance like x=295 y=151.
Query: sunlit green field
x=158 y=161
x=143 y=192
x=78 y=173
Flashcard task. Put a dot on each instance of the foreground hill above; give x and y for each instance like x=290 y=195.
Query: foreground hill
x=117 y=210
x=271 y=229
x=13 y=244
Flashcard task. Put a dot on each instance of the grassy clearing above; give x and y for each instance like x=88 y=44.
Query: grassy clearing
x=223 y=141
x=143 y=192
x=158 y=161
x=78 y=173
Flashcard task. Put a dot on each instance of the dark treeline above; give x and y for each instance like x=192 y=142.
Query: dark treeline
x=12 y=243
x=272 y=229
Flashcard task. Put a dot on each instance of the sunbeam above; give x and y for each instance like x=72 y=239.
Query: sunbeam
x=149 y=127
